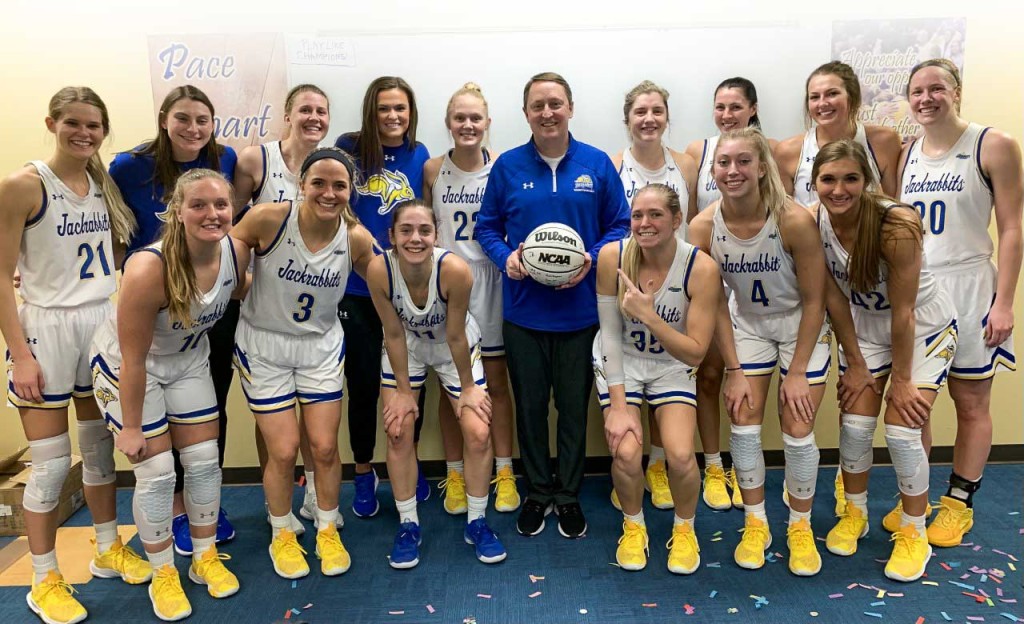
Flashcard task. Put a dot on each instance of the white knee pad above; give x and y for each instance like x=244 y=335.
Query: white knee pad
x=97 y=446
x=856 y=438
x=908 y=459
x=154 y=497
x=747 y=456
x=51 y=462
x=802 y=457
x=202 y=482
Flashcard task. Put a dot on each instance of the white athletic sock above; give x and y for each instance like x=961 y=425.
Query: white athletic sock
x=797 y=516
x=477 y=507
x=638 y=518
x=106 y=535
x=756 y=510
x=502 y=462
x=163 y=558
x=657 y=454
x=310 y=482
x=407 y=510
x=918 y=522
x=324 y=519
x=280 y=523
x=457 y=466
x=676 y=521
x=713 y=459
x=42 y=564
x=860 y=501
x=202 y=544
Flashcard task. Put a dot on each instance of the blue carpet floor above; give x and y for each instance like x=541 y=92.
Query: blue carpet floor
x=579 y=582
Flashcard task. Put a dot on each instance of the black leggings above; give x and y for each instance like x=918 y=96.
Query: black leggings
x=222 y=345
x=364 y=342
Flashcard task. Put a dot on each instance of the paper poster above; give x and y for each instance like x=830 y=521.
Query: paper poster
x=317 y=50
x=244 y=76
x=883 y=52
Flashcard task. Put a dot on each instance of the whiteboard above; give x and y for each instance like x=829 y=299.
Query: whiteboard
x=600 y=66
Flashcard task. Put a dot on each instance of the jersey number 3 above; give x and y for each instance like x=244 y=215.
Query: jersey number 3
x=305 y=310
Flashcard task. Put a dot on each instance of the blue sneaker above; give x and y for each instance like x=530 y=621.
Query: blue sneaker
x=406 y=551
x=182 y=535
x=366 y=504
x=422 y=487
x=225 y=532
x=488 y=547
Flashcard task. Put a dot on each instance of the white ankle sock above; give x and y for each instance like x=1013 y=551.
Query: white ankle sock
x=638 y=518
x=162 y=558
x=918 y=522
x=42 y=564
x=477 y=507
x=280 y=523
x=657 y=454
x=310 y=482
x=797 y=516
x=407 y=511
x=202 y=544
x=502 y=462
x=756 y=510
x=676 y=520
x=325 y=518
x=106 y=535
x=713 y=459
x=457 y=466
x=860 y=501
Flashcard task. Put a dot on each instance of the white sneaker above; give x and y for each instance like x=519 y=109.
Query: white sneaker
x=308 y=511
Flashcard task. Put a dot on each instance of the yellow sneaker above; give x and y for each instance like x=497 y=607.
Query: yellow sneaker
x=170 y=603
x=121 y=561
x=756 y=539
x=51 y=599
x=209 y=570
x=716 y=496
x=839 y=492
x=506 y=496
x=954 y=519
x=615 y=499
x=852 y=525
x=737 y=497
x=804 y=559
x=454 y=488
x=683 y=551
x=910 y=555
x=287 y=556
x=632 y=551
x=656 y=479
x=334 y=559
x=891 y=521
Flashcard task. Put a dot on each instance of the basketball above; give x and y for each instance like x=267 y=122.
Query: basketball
x=553 y=253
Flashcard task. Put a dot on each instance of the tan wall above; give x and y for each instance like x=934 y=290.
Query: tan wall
x=50 y=45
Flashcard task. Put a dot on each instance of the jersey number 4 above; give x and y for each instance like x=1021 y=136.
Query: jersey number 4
x=757 y=294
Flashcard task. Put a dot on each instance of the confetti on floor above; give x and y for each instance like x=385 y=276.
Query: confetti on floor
x=308 y=605
x=583 y=611
x=487 y=596
x=714 y=592
x=430 y=609
x=396 y=612
x=649 y=605
x=834 y=596
x=874 y=615
x=535 y=594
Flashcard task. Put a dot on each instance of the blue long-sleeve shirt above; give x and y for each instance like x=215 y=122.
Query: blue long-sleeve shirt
x=585 y=193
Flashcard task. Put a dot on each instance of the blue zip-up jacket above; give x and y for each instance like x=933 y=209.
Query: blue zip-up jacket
x=585 y=193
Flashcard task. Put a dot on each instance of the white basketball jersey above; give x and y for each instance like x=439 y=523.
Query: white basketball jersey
x=173 y=337
x=875 y=302
x=67 y=257
x=457 y=195
x=759 y=270
x=802 y=191
x=634 y=177
x=294 y=290
x=279 y=184
x=953 y=198
x=707 y=189
x=427 y=323
x=670 y=302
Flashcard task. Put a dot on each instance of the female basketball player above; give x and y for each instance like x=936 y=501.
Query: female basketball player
x=655 y=328
x=421 y=293
x=267 y=174
x=152 y=379
x=735 y=107
x=390 y=162
x=957 y=175
x=906 y=332
x=64 y=224
x=770 y=256
x=647 y=161
x=146 y=176
x=454 y=184
x=290 y=344
x=832 y=103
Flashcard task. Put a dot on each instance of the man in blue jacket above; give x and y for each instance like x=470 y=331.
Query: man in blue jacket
x=548 y=331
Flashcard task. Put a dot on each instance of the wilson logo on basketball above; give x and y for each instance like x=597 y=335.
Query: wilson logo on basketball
x=554 y=237
x=553 y=258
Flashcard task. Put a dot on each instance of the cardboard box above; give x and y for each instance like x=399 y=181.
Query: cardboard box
x=14 y=472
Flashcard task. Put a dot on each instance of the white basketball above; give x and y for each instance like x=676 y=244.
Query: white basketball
x=553 y=253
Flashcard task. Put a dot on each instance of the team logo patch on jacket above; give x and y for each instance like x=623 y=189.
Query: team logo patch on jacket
x=584 y=183
x=391 y=187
